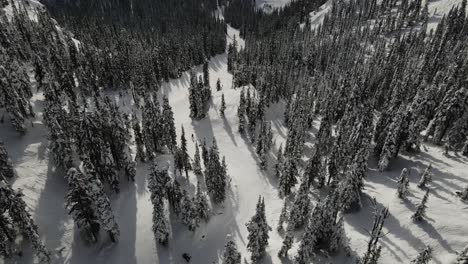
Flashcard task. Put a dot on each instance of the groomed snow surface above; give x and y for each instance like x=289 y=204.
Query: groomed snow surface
x=44 y=188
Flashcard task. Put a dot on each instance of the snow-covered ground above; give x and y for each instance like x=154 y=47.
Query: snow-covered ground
x=445 y=229
x=269 y=5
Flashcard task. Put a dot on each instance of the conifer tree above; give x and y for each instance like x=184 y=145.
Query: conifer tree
x=105 y=215
x=158 y=181
x=464 y=194
x=287 y=244
x=152 y=127
x=160 y=222
x=206 y=74
x=420 y=212
x=6 y=167
x=313 y=170
x=462 y=256
x=175 y=196
x=80 y=204
x=202 y=209
x=231 y=255
x=197 y=161
x=218 y=85
x=301 y=207
x=373 y=251
x=188 y=214
x=139 y=139
x=403 y=183
x=279 y=162
x=423 y=257
x=464 y=150
x=258 y=232
x=283 y=216
x=223 y=106
x=184 y=155
x=241 y=111
x=215 y=175
x=426 y=177
x=12 y=203
x=288 y=177
x=167 y=123
x=205 y=155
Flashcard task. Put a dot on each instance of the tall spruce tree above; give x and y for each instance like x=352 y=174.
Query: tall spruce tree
x=420 y=212
x=6 y=167
x=231 y=255
x=258 y=232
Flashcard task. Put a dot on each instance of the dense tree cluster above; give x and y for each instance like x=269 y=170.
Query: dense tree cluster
x=215 y=174
x=258 y=232
x=410 y=79
x=6 y=167
x=16 y=222
x=89 y=205
x=199 y=94
x=144 y=41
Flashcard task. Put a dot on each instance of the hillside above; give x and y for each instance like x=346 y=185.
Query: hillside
x=45 y=186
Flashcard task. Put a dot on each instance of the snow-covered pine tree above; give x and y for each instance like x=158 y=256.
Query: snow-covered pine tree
x=287 y=244
x=206 y=74
x=152 y=127
x=420 y=212
x=307 y=245
x=231 y=255
x=104 y=209
x=258 y=232
x=218 y=85
x=158 y=185
x=12 y=203
x=139 y=139
x=464 y=150
x=188 y=213
x=426 y=177
x=464 y=194
x=423 y=257
x=80 y=204
x=288 y=177
x=167 y=125
x=223 y=106
x=462 y=257
x=160 y=222
x=283 y=216
x=6 y=167
x=202 y=209
x=197 y=169
x=205 y=155
x=403 y=184
x=215 y=175
x=393 y=140
x=279 y=162
x=314 y=169
x=241 y=111
x=175 y=196
x=184 y=154
x=301 y=207
x=373 y=251
x=158 y=182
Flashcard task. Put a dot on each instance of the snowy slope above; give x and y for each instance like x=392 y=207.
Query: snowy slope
x=45 y=189
x=438 y=8
x=268 y=5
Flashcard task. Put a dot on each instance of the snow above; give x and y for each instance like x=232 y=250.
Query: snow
x=438 y=8
x=32 y=6
x=316 y=17
x=269 y=5
x=44 y=188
